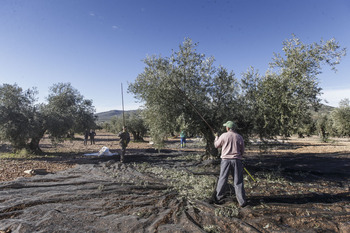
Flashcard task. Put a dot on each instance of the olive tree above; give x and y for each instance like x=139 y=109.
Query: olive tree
x=186 y=85
x=134 y=122
x=281 y=100
x=341 y=118
x=18 y=115
x=324 y=127
x=295 y=84
x=67 y=112
x=136 y=125
x=24 y=123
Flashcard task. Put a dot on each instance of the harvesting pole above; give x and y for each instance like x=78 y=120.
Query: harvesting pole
x=245 y=169
x=212 y=130
x=123 y=105
x=188 y=100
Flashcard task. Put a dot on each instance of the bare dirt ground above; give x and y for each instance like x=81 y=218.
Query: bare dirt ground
x=302 y=185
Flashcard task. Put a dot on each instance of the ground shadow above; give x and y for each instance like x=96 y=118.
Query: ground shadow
x=150 y=155
x=300 y=198
x=306 y=167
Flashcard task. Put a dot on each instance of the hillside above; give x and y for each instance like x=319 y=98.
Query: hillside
x=324 y=109
x=106 y=116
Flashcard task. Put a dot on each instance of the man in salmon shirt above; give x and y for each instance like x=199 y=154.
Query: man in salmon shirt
x=232 y=145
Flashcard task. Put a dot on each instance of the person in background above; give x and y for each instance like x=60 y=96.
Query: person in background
x=86 y=137
x=124 y=141
x=92 y=136
x=183 y=138
x=232 y=149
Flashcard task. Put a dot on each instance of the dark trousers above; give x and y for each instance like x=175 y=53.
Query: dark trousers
x=122 y=156
x=183 y=142
x=235 y=168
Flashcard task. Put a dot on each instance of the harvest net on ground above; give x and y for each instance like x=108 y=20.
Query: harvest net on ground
x=302 y=185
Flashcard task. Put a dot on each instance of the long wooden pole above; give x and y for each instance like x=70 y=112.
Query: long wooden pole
x=123 y=105
x=189 y=101
x=212 y=130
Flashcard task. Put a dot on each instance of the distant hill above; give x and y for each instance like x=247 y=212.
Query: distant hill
x=106 y=116
x=324 y=109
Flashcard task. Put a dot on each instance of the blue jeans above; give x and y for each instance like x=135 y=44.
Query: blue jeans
x=183 y=141
x=235 y=168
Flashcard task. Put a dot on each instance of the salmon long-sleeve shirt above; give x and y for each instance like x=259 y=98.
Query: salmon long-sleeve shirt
x=232 y=145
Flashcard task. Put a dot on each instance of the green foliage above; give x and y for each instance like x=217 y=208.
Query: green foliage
x=324 y=127
x=19 y=154
x=17 y=117
x=186 y=184
x=158 y=124
x=307 y=128
x=212 y=229
x=341 y=118
x=67 y=112
x=134 y=122
x=23 y=123
x=176 y=88
x=279 y=103
x=334 y=123
x=136 y=125
x=167 y=84
x=298 y=86
x=227 y=211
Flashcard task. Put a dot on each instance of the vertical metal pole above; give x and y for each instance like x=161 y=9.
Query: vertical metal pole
x=123 y=105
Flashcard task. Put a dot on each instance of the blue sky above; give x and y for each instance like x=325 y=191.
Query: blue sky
x=98 y=44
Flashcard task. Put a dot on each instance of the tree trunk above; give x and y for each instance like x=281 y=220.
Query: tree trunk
x=34 y=143
x=210 y=148
x=137 y=137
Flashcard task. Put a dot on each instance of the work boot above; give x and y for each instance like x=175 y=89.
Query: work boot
x=245 y=204
x=214 y=200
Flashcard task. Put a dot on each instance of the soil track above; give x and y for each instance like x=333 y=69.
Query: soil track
x=302 y=186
